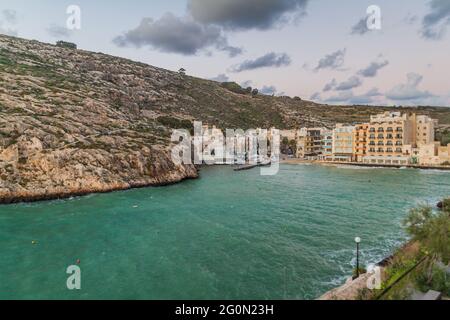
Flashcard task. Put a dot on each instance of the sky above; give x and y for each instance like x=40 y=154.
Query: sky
x=320 y=50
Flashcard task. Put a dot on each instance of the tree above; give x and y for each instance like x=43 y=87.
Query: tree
x=182 y=71
x=255 y=92
x=431 y=230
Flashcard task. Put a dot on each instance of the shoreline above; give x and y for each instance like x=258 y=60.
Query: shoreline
x=358 y=164
x=8 y=200
x=85 y=192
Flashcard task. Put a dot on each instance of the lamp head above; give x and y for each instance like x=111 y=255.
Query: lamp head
x=358 y=240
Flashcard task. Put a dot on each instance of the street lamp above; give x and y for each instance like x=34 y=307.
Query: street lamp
x=358 y=241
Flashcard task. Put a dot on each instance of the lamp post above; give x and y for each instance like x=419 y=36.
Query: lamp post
x=358 y=241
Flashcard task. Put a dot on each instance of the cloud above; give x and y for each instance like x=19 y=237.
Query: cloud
x=408 y=91
x=268 y=90
x=372 y=70
x=271 y=59
x=176 y=35
x=248 y=14
x=221 y=78
x=360 y=28
x=315 y=97
x=374 y=92
x=341 y=97
x=334 y=60
x=330 y=85
x=8 y=17
x=435 y=23
x=56 y=31
x=351 y=83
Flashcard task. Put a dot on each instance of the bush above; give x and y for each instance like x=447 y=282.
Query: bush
x=438 y=280
x=67 y=45
x=431 y=230
x=234 y=87
x=175 y=123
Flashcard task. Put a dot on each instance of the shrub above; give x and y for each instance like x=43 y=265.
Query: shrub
x=234 y=87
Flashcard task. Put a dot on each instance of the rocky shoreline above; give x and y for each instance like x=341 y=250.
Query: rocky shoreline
x=28 y=197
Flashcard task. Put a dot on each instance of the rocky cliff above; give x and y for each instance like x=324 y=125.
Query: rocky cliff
x=74 y=122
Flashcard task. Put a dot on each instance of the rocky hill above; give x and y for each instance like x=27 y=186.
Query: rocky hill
x=74 y=122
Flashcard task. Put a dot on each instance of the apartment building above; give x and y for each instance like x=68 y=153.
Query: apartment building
x=389 y=134
x=343 y=143
x=424 y=129
x=360 y=136
x=396 y=138
x=434 y=154
x=327 y=145
x=309 y=143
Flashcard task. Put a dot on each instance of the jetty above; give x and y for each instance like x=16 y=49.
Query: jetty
x=252 y=166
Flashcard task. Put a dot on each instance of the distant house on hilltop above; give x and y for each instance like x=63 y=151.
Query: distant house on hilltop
x=67 y=45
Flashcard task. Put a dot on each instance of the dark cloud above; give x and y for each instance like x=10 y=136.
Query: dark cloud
x=372 y=70
x=176 y=35
x=330 y=85
x=269 y=90
x=246 y=84
x=246 y=14
x=360 y=28
x=221 y=78
x=334 y=60
x=269 y=60
x=374 y=92
x=351 y=83
x=315 y=97
x=341 y=97
x=58 y=31
x=435 y=23
x=409 y=90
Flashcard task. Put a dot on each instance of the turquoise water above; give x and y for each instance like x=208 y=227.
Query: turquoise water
x=228 y=235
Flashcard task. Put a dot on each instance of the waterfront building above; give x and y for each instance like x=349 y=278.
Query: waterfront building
x=327 y=145
x=390 y=139
x=309 y=143
x=396 y=138
x=434 y=154
x=360 y=135
x=424 y=129
x=343 y=143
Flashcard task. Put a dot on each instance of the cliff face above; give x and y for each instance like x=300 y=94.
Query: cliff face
x=75 y=122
